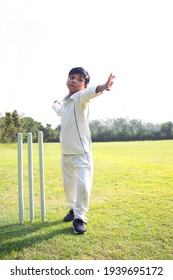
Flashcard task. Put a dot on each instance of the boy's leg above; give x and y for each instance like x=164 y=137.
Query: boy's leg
x=84 y=169
x=69 y=181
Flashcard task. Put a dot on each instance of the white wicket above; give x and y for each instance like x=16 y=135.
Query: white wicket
x=41 y=165
x=30 y=176
x=20 y=178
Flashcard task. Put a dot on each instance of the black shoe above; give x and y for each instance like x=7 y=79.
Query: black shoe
x=78 y=226
x=69 y=217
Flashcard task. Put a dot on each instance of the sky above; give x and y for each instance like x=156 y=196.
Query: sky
x=41 y=40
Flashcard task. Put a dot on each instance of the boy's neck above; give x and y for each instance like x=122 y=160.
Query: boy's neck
x=70 y=94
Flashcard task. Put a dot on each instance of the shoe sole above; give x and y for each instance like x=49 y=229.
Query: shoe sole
x=76 y=232
x=79 y=232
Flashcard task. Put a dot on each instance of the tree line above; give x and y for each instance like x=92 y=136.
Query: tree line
x=119 y=129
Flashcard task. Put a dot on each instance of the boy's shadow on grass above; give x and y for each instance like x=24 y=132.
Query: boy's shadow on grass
x=16 y=237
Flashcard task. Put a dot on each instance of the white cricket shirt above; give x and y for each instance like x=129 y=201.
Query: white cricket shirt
x=75 y=135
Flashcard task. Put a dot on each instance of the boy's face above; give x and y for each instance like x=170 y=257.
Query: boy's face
x=75 y=82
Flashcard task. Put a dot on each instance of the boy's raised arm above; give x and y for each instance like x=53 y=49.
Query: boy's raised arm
x=107 y=85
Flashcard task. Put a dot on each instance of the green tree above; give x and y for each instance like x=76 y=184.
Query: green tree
x=50 y=134
x=167 y=130
x=16 y=120
x=29 y=125
x=2 y=125
x=9 y=131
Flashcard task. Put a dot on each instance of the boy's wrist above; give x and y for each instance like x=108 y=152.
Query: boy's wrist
x=101 y=88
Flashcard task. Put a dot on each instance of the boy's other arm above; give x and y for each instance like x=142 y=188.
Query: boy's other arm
x=107 y=85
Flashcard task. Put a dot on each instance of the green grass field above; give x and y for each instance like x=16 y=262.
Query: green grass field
x=131 y=206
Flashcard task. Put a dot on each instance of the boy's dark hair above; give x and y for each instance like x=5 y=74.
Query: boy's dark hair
x=82 y=72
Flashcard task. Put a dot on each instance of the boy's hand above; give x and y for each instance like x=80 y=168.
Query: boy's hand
x=109 y=82
x=107 y=85
x=57 y=101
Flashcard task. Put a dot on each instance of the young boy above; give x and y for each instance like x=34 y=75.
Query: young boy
x=75 y=138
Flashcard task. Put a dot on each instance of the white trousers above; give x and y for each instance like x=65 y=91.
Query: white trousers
x=77 y=171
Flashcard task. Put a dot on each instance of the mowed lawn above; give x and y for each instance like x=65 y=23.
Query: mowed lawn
x=131 y=206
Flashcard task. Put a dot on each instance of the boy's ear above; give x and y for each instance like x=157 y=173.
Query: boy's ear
x=85 y=86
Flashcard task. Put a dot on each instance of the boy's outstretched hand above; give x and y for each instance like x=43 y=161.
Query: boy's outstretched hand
x=107 y=85
x=109 y=82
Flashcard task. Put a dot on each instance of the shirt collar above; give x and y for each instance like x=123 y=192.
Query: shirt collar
x=66 y=98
